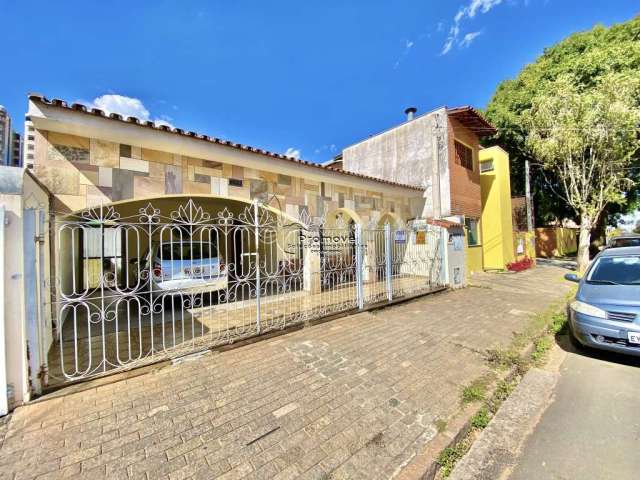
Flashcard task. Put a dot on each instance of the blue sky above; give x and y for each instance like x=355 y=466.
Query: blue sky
x=306 y=76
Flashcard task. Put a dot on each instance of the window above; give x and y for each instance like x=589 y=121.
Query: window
x=464 y=155
x=125 y=150
x=486 y=166
x=473 y=232
x=235 y=182
x=102 y=255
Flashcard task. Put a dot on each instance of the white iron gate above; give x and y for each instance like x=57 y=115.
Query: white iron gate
x=137 y=289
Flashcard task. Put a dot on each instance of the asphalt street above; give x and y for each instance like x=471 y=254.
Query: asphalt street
x=592 y=428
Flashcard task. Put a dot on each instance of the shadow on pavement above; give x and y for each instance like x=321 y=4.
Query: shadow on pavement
x=566 y=263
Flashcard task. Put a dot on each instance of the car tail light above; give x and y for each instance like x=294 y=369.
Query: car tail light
x=157 y=270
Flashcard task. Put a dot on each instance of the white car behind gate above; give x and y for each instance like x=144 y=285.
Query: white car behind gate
x=184 y=266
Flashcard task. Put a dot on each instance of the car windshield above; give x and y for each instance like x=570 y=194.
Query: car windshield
x=188 y=251
x=625 y=242
x=623 y=270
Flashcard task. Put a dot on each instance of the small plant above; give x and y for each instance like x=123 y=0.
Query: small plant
x=520 y=265
x=541 y=346
x=481 y=419
x=504 y=388
x=450 y=455
x=505 y=359
x=474 y=392
x=558 y=323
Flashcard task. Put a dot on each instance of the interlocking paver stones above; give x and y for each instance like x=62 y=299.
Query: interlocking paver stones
x=357 y=397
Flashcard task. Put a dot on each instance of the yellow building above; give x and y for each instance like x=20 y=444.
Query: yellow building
x=496 y=222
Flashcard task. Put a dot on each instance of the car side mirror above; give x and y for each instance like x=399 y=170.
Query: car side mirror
x=572 y=277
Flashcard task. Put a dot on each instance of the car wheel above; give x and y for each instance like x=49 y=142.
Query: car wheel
x=574 y=341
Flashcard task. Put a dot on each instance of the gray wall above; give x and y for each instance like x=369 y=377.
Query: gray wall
x=405 y=154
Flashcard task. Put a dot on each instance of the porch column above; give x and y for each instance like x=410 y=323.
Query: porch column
x=311 y=270
x=370 y=257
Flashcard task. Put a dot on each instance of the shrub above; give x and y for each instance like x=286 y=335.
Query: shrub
x=520 y=265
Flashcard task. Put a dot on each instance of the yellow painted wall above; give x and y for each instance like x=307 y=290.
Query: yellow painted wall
x=496 y=223
x=473 y=258
x=527 y=240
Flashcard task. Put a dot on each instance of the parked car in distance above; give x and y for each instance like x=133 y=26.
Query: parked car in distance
x=605 y=313
x=631 y=240
x=184 y=265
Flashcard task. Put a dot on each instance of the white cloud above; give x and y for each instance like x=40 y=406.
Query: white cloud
x=324 y=148
x=293 y=152
x=408 y=44
x=127 y=107
x=468 y=38
x=468 y=11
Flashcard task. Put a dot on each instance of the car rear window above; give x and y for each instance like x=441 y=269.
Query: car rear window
x=625 y=242
x=624 y=269
x=188 y=251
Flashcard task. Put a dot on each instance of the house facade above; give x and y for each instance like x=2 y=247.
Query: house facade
x=146 y=242
x=438 y=151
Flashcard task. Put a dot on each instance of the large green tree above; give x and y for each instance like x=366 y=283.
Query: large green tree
x=586 y=58
x=586 y=140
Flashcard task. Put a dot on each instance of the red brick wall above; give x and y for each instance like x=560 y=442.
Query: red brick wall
x=465 y=184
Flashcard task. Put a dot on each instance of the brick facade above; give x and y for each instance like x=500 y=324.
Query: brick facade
x=465 y=184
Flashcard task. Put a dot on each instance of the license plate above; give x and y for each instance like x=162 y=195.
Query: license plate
x=634 y=337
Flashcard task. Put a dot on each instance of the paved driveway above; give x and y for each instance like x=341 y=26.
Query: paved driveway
x=357 y=397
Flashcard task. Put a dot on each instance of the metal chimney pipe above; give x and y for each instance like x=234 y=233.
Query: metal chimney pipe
x=409 y=112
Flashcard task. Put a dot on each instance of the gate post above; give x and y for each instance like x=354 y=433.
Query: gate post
x=444 y=256
x=359 y=266
x=256 y=222
x=388 y=258
x=4 y=400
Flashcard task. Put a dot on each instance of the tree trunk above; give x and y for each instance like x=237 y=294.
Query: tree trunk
x=584 y=240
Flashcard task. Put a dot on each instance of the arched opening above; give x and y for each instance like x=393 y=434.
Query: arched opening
x=391 y=218
x=152 y=278
x=338 y=249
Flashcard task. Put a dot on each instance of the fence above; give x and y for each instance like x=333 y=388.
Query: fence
x=136 y=289
x=556 y=241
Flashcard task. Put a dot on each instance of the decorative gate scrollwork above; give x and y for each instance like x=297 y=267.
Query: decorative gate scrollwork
x=135 y=289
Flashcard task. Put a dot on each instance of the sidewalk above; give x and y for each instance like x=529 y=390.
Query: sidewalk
x=356 y=397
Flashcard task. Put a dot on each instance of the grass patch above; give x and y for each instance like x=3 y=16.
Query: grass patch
x=504 y=388
x=450 y=456
x=542 y=346
x=506 y=359
x=559 y=324
x=441 y=425
x=475 y=391
x=481 y=419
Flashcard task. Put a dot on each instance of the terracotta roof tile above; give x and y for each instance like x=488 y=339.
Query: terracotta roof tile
x=145 y=123
x=473 y=120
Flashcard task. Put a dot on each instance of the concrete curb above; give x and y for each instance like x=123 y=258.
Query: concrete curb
x=495 y=451
x=424 y=465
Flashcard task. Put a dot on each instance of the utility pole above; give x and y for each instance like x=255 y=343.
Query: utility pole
x=527 y=181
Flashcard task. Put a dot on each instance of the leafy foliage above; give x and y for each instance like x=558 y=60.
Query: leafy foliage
x=584 y=62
